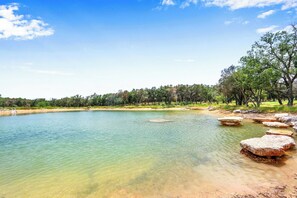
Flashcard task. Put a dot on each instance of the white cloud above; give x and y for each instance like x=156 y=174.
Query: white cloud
x=164 y=5
x=187 y=3
x=236 y=21
x=245 y=22
x=266 y=29
x=167 y=3
x=265 y=14
x=289 y=4
x=19 y=27
x=232 y=4
x=238 y=4
x=228 y=22
x=288 y=29
x=275 y=29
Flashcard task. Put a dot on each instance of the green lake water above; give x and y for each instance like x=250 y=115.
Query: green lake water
x=122 y=154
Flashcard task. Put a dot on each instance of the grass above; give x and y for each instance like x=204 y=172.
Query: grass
x=266 y=107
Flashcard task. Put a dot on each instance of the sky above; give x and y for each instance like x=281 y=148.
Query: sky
x=58 y=48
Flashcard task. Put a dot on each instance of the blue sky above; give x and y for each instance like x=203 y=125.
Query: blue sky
x=57 y=48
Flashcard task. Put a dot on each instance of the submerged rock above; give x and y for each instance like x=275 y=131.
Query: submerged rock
x=262 y=159
x=268 y=145
x=260 y=120
x=280 y=132
x=275 y=124
x=230 y=121
x=159 y=120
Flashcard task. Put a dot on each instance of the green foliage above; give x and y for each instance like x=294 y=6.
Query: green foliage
x=164 y=97
x=268 y=71
x=42 y=104
x=278 y=51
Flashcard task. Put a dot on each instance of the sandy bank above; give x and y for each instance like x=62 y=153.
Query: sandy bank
x=203 y=110
x=33 y=111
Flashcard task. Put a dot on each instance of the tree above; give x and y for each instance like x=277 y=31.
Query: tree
x=279 y=51
x=256 y=77
x=230 y=85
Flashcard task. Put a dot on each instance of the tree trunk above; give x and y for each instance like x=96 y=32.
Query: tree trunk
x=290 y=94
x=290 y=101
x=280 y=101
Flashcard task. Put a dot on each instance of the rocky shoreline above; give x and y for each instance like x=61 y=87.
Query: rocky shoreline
x=280 y=140
x=280 y=191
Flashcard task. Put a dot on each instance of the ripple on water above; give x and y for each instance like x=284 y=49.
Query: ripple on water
x=91 y=154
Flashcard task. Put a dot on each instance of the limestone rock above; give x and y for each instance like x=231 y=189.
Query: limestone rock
x=275 y=124
x=237 y=111
x=249 y=111
x=288 y=119
x=260 y=119
x=279 y=115
x=268 y=145
x=210 y=108
x=279 y=132
x=230 y=121
x=294 y=125
x=159 y=120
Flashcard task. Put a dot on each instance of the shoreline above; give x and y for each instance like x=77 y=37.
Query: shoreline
x=217 y=112
x=37 y=111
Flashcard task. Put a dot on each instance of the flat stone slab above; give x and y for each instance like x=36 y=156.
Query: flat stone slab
x=294 y=125
x=275 y=124
x=237 y=111
x=159 y=120
x=279 y=115
x=268 y=145
x=261 y=120
x=230 y=121
x=280 y=132
x=288 y=119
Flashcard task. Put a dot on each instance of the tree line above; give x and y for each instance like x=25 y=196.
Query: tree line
x=180 y=94
x=267 y=72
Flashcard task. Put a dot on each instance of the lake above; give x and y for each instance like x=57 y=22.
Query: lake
x=122 y=154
